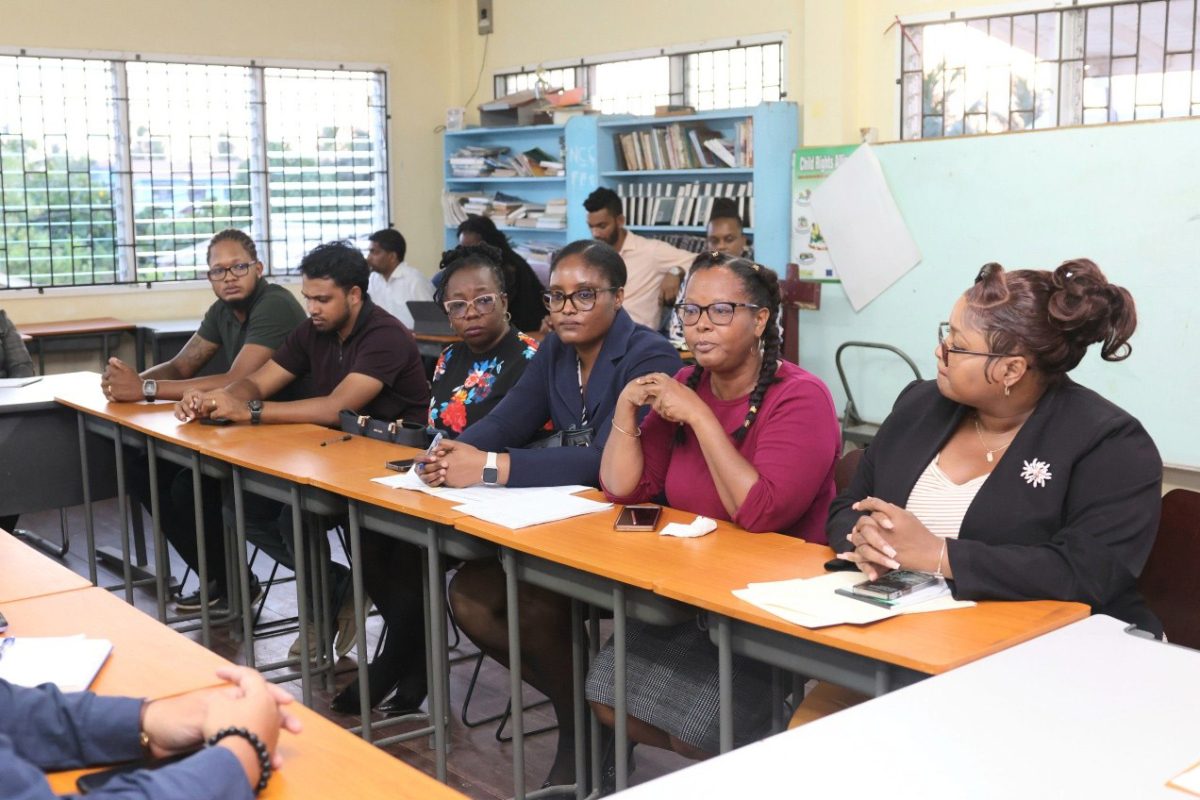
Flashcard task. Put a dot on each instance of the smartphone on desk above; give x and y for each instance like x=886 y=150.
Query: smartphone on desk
x=638 y=518
x=96 y=780
x=216 y=421
x=896 y=584
x=400 y=464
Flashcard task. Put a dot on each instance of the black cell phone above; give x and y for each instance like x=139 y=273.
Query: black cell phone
x=638 y=518
x=215 y=421
x=400 y=464
x=896 y=584
x=840 y=565
x=96 y=780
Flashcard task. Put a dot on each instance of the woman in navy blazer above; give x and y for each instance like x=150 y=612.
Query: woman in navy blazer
x=574 y=381
x=1005 y=475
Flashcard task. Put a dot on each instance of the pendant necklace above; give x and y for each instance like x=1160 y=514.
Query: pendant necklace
x=989 y=451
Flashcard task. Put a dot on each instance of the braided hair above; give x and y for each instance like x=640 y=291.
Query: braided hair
x=466 y=257
x=762 y=287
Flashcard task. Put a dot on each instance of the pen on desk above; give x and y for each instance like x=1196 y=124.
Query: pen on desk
x=343 y=438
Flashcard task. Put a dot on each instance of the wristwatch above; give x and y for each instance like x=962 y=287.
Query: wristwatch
x=149 y=389
x=491 y=475
x=677 y=271
x=255 y=407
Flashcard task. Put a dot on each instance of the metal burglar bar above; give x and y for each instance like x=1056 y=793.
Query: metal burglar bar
x=57 y=160
x=117 y=171
x=1081 y=65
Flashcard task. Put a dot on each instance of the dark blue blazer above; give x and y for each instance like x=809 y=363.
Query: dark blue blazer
x=549 y=390
x=1082 y=534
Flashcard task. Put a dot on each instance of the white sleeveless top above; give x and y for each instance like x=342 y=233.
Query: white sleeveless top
x=940 y=503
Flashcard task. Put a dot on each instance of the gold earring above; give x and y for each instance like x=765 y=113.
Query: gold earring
x=1007 y=390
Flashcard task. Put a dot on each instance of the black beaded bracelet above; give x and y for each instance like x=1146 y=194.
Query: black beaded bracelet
x=264 y=755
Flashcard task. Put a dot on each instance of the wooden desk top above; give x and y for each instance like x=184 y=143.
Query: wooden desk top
x=76 y=327
x=326 y=761
x=26 y=573
x=437 y=338
x=929 y=643
x=148 y=658
x=25 y=337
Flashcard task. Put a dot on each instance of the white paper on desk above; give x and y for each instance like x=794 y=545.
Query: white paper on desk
x=1188 y=780
x=813 y=602
x=17 y=383
x=519 y=512
x=69 y=662
x=869 y=244
x=479 y=493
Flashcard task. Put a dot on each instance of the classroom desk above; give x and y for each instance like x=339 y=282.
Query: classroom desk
x=26 y=573
x=148 y=658
x=872 y=659
x=1084 y=711
x=156 y=332
x=102 y=327
x=430 y=345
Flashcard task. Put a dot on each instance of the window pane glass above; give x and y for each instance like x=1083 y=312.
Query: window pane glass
x=1180 y=21
x=57 y=173
x=633 y=87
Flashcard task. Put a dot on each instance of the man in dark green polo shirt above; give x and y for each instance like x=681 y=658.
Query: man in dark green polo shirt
x=246 y=324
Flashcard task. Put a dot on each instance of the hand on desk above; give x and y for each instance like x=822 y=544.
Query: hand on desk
x=217 y=403
x=890 y=537
x=456 y=464
x=120 y=382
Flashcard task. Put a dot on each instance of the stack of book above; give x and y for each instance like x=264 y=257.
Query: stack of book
x=493 y=162
x=682 y=204
x=539 y=255
x=475 y=162
x=686 y=146
x=506 y=210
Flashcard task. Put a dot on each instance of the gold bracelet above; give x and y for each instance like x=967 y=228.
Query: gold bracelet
x=627 y=433
x=941 y=556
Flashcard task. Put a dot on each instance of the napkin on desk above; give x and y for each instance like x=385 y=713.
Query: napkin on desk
x=697 y=527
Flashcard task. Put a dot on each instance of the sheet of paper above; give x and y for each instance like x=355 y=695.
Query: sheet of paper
x=813 y=602
x=1188 y=780
x=479 y=492
x=17 y=383
x=520 y=513
x=869 y=244
x=69 y=662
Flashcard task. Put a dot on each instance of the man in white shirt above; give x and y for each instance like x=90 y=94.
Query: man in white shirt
x=393 y=282
x=655 y=268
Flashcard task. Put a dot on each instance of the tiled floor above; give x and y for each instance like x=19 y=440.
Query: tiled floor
x=478 y=765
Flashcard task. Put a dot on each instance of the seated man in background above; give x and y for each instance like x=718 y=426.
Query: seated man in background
x=655 y=268
x=14 y=363
x=355 y=355
x=393 y=282
x=242 y=328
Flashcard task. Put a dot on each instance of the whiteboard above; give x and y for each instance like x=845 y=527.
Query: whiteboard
x=1126 y=196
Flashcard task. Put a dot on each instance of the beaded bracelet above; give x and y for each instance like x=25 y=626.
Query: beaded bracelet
x=264 y=755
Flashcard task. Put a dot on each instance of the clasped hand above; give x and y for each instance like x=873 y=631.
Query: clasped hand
x=670 y=399
x=454 y=464
x=889 y=537
x=218 y=404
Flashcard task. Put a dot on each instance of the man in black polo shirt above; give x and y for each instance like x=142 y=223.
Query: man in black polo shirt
x=242 y=328
x=355 y=355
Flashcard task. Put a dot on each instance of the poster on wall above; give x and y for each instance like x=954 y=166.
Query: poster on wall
x=811 y=166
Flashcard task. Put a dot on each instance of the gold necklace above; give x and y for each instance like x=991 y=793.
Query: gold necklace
x=979 y=433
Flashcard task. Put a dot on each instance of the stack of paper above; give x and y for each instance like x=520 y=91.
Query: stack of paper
x=69 y=662
x=813 y=602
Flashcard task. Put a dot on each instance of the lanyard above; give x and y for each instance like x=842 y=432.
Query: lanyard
x=582 y=399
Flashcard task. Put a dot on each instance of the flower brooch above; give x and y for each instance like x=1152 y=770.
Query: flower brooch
x=1036 y=473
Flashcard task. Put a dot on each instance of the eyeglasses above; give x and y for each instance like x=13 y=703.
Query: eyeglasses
x=581 y=299
x=484 y=304
x=718 y=313
x=944 y=334
x=238 y=270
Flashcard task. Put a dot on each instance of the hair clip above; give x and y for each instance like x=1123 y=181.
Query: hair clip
x=1070 y=274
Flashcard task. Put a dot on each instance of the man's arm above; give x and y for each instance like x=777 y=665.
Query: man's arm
x=55 y=731
x=16 y=359
x=355 y=391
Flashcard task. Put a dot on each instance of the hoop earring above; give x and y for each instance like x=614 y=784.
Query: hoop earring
x=1007 y=390
x=507 y=317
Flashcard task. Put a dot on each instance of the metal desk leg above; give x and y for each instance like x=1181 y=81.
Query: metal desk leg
x=725 y=678
x=594 y=723
x=123 y=510
x=360 y=618
x=439 y=706
x=514 y=670
x=301 y=595
x=239 y=532
x=89 y=523
x=318 y=544
x=161 y=563
x=620 y=729
x=201 y=553
x=579 y=668
x=883 y=680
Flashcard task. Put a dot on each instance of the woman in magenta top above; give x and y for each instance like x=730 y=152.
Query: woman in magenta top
x=742 y=436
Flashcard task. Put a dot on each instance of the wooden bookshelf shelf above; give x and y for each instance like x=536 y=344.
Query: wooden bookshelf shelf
x=490 y=179
x=698 y=229
x=715 y=173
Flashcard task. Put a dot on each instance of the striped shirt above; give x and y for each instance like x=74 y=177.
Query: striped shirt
x=940 y=503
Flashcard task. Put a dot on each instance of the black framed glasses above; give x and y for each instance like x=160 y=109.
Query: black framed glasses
x=484 y=304
x=581 y=299
x=238 y=270
x=944 y=335
x=718 y=313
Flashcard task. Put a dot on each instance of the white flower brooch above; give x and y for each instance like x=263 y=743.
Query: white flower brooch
x=1036 y=473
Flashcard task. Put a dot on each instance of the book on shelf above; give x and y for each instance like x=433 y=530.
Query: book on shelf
x=685 y=146
x=674 y=111
x=507 y=210
x=682 y=204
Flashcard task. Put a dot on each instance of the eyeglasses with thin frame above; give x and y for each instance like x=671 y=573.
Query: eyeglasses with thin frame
x=238 y=270
x=581 y=299
x=718 y=313
x=944 y=335
x=484 y=304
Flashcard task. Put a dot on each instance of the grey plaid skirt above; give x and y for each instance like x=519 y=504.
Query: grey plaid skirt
x=672 y=685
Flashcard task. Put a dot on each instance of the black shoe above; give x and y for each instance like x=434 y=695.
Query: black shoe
x=608 y=767
x=397 y=706
x=217 y=602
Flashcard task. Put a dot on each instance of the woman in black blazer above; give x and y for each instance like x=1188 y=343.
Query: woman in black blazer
x=1004 y=475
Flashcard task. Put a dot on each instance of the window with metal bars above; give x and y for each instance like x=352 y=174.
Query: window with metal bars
x=704 y=78
x=1080 y=65
x=119 y=172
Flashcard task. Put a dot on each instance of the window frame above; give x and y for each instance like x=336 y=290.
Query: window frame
x=123 y=194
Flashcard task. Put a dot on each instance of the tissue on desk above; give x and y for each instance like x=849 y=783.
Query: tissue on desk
x=697 y=527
